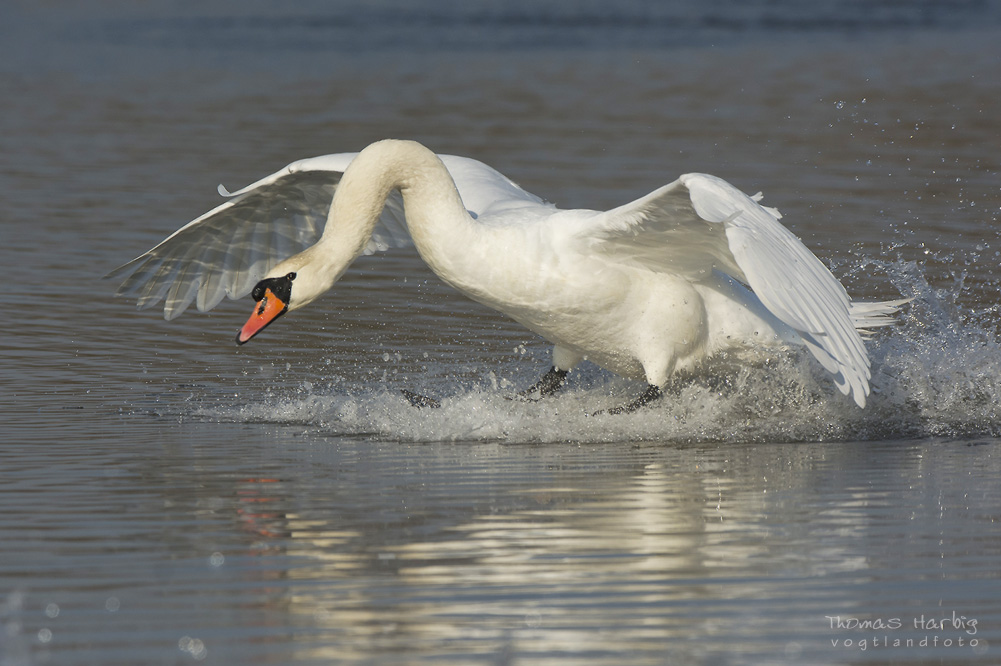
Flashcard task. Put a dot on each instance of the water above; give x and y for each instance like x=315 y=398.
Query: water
x=168 y=497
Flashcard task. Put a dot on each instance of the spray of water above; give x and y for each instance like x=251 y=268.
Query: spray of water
x=937 y=373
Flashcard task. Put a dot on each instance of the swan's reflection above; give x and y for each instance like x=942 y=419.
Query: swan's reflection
x=570 y=552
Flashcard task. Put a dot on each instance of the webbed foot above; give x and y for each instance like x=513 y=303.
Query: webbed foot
x=549 y=384
x=652 y=393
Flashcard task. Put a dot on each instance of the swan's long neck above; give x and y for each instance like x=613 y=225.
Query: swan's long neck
x=439 y=224
x=437 y=220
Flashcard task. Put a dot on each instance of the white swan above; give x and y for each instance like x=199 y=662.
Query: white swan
x=644 y=290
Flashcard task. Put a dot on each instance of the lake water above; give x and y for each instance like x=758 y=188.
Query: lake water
x=167 y=497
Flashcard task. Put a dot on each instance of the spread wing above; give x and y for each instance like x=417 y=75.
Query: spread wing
x=226 y=251
x=701 y=223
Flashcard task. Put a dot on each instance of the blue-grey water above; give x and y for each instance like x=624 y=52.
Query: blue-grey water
x=169 y=498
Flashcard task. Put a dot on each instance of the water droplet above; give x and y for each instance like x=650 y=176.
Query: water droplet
x=44 y=635
x=217 y=559
x=193 y=646
x=52 y=610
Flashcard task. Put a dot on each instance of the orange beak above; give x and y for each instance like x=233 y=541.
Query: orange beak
x=269 y=308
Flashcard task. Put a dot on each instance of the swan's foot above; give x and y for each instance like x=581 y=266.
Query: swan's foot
x=419 y=401
x=549 y=384
x=652 y=393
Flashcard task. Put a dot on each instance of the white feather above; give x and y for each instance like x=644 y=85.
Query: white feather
x=646 y=289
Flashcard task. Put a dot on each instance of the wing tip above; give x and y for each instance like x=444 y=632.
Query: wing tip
x=123 y=269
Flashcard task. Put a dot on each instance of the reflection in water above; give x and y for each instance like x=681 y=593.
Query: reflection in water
x=586 y=551
x=297 y=546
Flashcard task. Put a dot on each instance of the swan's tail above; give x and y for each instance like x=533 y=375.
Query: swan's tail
x=874 y=315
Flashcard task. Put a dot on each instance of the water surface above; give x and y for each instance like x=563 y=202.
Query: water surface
x=168 y=497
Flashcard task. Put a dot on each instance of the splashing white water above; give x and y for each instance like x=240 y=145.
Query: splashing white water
x=934 y=374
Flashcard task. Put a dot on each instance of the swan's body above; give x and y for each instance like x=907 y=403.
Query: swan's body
x=645 y=290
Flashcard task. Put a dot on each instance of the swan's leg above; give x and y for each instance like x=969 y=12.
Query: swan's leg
x=418 y=400
x=652 y=393
x=549 y=384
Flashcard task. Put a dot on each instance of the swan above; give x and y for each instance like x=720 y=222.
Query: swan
x=646 y=290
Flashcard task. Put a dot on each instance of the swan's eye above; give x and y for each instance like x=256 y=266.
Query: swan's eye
x=281 y=288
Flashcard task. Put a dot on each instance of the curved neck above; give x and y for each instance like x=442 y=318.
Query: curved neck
x=437 y=220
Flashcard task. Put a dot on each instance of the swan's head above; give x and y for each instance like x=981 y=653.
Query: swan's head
x=273 y=298
x=292 y=284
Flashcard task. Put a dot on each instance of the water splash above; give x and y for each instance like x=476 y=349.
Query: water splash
x=937 y=373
